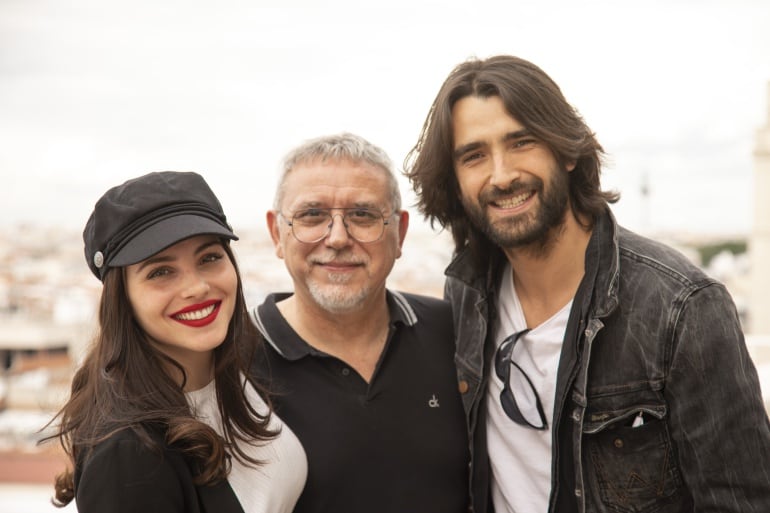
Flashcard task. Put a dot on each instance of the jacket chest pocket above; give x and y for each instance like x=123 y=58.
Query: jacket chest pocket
x=629 y=460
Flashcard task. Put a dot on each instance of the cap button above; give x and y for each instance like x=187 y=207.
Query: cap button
x=98 y=259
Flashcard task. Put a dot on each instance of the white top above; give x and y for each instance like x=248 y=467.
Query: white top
x=273 y=487
x=520 y=456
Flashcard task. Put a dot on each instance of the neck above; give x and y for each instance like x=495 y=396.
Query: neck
x=199 y=371
x=547 y=277
x=356 y=337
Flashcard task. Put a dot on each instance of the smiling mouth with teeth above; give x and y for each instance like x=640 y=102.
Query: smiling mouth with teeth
x=197 y=314
x=514 y=201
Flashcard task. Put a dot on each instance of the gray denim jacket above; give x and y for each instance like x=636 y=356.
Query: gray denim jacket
x=649 y=334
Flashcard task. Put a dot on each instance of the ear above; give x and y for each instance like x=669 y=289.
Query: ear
x=274 y=227
x=403 y=226
x=570 y=166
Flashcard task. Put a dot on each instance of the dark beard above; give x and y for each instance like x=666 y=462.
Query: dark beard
x=535 y=234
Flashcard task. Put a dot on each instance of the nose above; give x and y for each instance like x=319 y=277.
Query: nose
x=338 y=233
x=504 y=170
x=195 y=285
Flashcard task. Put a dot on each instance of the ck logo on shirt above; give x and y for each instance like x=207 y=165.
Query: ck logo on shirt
x=433 y=401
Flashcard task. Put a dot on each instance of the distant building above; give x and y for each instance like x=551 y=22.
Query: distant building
x=35 y=364
x=759 y=244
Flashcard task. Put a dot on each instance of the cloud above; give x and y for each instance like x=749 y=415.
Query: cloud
x=92 y=94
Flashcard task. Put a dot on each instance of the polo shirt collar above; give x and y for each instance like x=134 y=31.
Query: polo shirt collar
x=288 y=344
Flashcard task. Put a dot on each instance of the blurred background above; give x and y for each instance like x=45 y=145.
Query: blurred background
x=94 y=92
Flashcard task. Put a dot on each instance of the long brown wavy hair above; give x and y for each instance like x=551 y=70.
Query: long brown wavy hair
x=122 y=384
x=535 y=101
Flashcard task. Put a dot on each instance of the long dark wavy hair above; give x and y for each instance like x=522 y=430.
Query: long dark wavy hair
x=123 y=384
x=535 y=101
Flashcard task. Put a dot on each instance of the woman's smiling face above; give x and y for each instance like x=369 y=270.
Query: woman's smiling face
x=184 y=298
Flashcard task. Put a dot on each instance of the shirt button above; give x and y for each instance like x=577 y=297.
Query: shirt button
x=462 y=386
x=345 y=371
x=618 y=443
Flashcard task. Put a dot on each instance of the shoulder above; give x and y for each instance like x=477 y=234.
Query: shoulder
x=133 y=458
x=423 y=307
x=656 y=258
x=423 y=317
x=124 y=473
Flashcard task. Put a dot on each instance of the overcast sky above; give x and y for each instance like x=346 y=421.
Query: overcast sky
x=93 y=92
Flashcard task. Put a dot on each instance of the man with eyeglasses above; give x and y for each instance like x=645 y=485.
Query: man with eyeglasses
x=600 y=371
x=363 y=375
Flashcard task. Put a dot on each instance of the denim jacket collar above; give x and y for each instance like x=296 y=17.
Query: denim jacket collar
x=599 y=262
x=482 y=279
x=602 y=259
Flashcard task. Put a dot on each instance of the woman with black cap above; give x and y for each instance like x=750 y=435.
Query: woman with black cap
x=164 y=414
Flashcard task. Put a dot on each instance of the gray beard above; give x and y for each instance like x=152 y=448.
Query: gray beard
x=337 y=298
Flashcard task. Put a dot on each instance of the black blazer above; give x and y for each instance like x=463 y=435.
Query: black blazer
x=123 y=475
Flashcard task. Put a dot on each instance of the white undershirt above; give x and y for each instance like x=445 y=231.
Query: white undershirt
x=520 y=456
x=273 y=487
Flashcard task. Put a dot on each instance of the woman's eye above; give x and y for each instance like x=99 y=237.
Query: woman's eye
x=211 y=257
x=158 y=273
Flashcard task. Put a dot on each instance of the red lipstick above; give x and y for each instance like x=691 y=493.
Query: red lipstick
x=198 y=315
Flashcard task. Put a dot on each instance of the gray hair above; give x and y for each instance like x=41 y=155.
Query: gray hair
x=344 y=146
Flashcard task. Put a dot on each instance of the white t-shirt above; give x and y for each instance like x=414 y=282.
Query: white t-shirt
x=273 y=487
x=520 y=456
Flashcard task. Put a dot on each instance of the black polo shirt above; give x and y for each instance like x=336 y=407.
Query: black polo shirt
x=397 y=444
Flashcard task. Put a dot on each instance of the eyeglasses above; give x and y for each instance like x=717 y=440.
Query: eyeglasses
x=503 y=364
x=314 y=224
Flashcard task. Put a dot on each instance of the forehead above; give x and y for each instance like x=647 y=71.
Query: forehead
x=335 y=183
x=479 y=119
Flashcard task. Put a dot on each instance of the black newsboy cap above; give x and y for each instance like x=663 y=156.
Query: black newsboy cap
x=145 y=215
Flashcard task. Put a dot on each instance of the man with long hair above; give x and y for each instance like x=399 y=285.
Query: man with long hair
x=600 y=370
